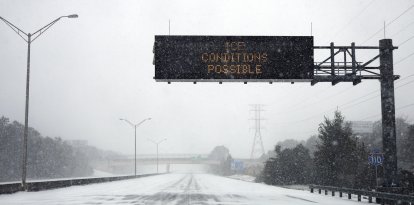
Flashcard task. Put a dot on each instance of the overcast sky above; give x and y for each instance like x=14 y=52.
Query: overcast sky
x=88 y=72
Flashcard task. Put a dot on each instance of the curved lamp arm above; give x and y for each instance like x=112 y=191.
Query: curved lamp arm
x=15 y=29
x=45 y=28
x=38 y=32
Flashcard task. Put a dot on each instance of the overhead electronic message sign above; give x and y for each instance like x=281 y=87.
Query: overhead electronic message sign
x=233 y=58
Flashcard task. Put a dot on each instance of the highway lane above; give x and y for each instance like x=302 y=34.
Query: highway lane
x=174 y=189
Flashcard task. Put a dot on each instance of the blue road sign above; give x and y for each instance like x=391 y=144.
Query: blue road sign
x=376 y=158
x=237 y=165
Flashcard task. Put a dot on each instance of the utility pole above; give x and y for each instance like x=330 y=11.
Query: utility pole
x=28 y=38
x=257 y=146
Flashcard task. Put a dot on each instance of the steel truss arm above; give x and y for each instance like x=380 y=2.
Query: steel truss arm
x=335 y=71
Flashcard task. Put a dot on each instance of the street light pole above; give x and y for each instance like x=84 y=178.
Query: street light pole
x=135 y=151
x=157 y=158
x=28 y=38
x=157 y=143
x=26 y=115
x=135 y=130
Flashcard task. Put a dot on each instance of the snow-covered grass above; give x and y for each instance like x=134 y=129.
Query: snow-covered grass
x=175 y=188
x=242 y=177
x=297 y=187
x=98 y=173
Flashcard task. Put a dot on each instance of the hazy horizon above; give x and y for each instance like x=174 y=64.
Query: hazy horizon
x=88 y=72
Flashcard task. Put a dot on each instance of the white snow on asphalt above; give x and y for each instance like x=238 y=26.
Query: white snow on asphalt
x=175 y=188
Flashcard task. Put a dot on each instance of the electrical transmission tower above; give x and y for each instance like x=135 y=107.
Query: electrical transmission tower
x=257 y=147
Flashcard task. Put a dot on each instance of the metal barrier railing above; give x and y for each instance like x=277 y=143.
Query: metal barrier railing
x=381 y=197
x=53 y=184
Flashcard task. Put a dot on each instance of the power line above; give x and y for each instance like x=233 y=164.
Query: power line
x=306 y=119
x=398 y=108
x=352 y=105
x=401 y=30
x=313 y=116
x=371 y=116
x=405 y=106
x=402 y=79
x=408 y=9
x=375 y=91
x=376 y=96
x=409 y=82
x=351 y=101
x=302 y=101
x=373 y=97
x=354 y=18
x=329 y=97
x=403 y=59
x=406 y=41
x=349 y=89
x=345 y=90
x=297 y=132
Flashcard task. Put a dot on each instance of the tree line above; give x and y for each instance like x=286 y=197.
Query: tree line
x=338 y=157
x=47 y=157
x=223 y=156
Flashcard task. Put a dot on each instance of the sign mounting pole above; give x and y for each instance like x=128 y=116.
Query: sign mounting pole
x=388 y=113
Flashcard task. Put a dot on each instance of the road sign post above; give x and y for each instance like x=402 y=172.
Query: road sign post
x=389 y=141
x=376 y=158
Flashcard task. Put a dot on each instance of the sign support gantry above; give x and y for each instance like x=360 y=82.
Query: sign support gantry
x=331 y=70
x=281 y=59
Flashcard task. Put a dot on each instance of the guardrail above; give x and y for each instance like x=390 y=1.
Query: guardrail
x=53 y=184
x=381 y=197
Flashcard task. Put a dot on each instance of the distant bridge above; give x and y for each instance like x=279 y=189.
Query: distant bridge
x=145 y=159
x=178 y=159
x=119 y=165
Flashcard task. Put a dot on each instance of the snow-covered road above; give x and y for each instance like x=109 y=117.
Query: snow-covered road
x=176 y=188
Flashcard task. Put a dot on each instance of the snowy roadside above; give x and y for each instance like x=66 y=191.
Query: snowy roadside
x=242 y=177
x=297 y=187
x=96 y=174
x=248 y=178
x=99 y=173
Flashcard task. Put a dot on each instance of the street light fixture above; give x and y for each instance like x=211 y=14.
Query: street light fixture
x=73 y=16
x=29 y=38
x=135 y=128
x=157 y=143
